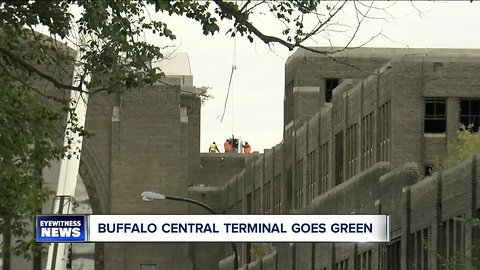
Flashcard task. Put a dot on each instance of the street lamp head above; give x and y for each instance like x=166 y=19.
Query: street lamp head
x=150 y=196
x=147 y=199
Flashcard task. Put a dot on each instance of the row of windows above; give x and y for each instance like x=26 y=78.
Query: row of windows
x=316 y=179
x=436 y=115
x=342 y=265
x=365 y=260
x=420 y=248
x=311 y=176
x=453 y=233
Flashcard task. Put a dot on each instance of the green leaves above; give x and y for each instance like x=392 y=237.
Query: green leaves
x=27 y=128
x=466 y=144
x=114 y=52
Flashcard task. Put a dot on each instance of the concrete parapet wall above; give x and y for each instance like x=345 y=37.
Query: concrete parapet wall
x=415 y=205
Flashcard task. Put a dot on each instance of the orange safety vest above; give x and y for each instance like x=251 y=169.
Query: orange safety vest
x=227 y=146
x=247 y=149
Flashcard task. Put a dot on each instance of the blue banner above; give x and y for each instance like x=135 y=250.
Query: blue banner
x=61 y=228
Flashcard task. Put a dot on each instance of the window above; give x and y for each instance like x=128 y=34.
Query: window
x=435 y=120
x=365 y=260
x=342 y=265
x=277 y=194
x=330 y=84
x=419 y=249
x=324 y=169
x=393 y=255
x=311 y=176
x=384 y=132
x=470 y=114
x=454 y=235
x=429 y=170
x=298 y=184
x=351 y=151
x=339 y=158
x=367 y=141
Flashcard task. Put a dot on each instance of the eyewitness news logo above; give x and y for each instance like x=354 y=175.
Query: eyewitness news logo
x=61 y=228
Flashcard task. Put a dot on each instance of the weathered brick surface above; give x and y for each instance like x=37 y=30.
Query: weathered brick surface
x=404 y=80
x=140 y=144
x=270 y=261
x=215 y=169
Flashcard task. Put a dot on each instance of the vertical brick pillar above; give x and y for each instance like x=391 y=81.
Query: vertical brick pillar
x=406 y=260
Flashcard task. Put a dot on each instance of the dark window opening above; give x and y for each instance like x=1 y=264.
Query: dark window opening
x=435 y=120
x=428 y=170
x=393 y=255
x=330 y=84
x=470 y=114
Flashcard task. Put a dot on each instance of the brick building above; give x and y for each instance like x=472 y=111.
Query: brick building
x=361 y=131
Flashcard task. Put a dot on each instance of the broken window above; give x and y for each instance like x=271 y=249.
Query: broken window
x=435 y=120
x=429 y=170
x=470 y=114
x=330 y=84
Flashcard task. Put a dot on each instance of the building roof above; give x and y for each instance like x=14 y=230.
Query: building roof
x=174 y=64
x=367 y=52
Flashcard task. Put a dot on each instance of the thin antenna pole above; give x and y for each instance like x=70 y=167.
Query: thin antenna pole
x=234 y=66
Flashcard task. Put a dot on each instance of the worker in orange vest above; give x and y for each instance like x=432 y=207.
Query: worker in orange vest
x=227 y=146
x=246 y=148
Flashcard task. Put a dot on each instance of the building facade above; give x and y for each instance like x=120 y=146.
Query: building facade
x=362 y=131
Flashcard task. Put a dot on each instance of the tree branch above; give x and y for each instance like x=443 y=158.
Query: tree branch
x=41 y=74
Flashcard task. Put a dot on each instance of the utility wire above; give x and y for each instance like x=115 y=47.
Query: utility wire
x=234 y=67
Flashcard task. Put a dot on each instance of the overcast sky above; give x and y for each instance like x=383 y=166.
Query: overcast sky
x=255 y=107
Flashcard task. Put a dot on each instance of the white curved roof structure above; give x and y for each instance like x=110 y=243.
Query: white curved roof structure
x=174 y=64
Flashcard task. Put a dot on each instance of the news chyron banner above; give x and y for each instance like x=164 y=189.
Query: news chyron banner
x=212 y=228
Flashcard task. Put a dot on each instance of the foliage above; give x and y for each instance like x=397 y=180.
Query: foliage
x=204 y=95
x=260 y=250
x=25 y=148
x=459 y=261
x=109 y=37
x=466 y=144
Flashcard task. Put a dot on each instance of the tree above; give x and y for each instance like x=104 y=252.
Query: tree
x=109 y=36
x=467 y=143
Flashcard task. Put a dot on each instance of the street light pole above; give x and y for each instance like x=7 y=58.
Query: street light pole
x=150 y=196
